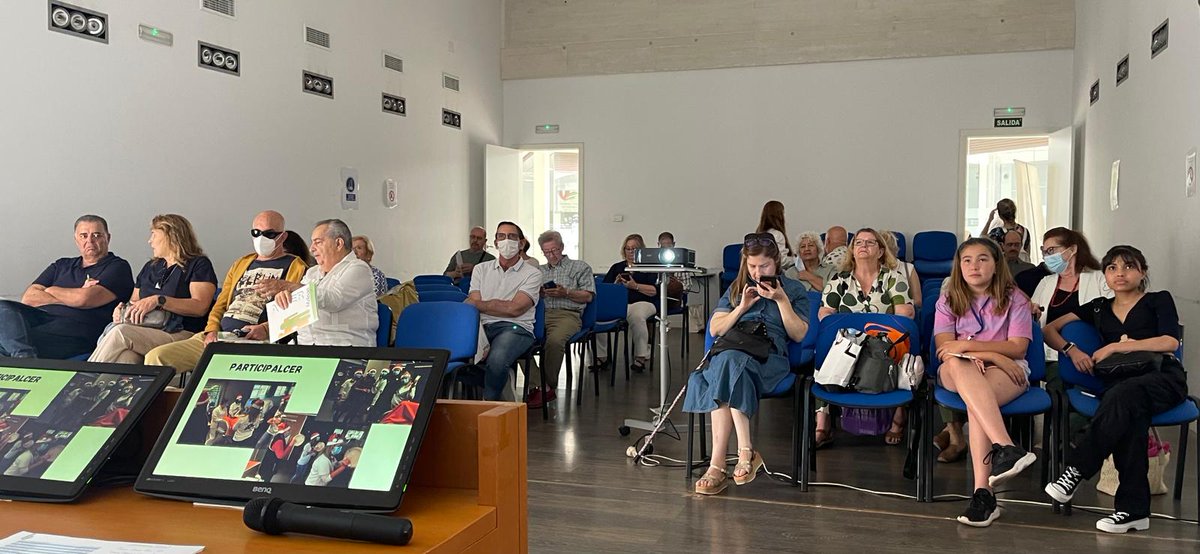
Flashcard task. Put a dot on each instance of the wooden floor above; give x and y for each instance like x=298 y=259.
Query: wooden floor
x=585 y=495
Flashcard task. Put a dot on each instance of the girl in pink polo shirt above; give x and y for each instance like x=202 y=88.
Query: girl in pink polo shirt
x=981 y=331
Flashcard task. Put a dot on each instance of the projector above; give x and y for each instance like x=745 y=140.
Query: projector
x=666 y=257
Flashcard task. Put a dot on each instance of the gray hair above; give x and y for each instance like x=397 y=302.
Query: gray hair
x=550 y=235
x=816 y=238
x=338 y=230
x=89 y=218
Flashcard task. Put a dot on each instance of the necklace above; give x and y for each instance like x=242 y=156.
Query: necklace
x=1054 y=304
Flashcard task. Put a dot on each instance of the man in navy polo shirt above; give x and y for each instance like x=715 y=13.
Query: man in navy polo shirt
x=64 y=311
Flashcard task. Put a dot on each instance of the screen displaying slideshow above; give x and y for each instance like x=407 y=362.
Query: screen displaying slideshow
x=305 y=421
x=53 y=422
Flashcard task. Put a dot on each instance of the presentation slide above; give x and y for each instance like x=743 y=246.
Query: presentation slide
x=309 y=421
x=53 y=422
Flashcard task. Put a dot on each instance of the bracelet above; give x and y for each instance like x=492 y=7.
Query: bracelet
x=1067 y=348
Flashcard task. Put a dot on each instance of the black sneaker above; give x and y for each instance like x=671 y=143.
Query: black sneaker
x=1121 y=522
x=1064 y=488
x=982 y=511
x=1007 y=462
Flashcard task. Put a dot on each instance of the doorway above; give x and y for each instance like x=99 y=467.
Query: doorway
x=540 y=188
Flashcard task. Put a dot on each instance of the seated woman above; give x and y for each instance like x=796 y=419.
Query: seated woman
x=643 y=303
x=365 y=250
x=179 y=280
x=729 y=386
x=808 y=268
x=1132 y=321
x=866 y=282
x=771 y=221
x=981 y=330
x=294 y=244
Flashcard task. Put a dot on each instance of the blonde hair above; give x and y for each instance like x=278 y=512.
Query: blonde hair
x=888 y=259
x=366 y=241
x=641 y=243
x=888 y=241
x=181 y=239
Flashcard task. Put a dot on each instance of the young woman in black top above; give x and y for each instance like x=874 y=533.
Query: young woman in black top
x=1132 y=321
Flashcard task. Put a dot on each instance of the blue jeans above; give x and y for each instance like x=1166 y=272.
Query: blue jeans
x=507 y=342
x=22 y=334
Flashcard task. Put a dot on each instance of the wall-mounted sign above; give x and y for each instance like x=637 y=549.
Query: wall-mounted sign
x=1123 y=70
x=1008 y=121
x=1095 y=93
x=1158 y=39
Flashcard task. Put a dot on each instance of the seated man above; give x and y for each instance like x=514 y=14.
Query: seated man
x=346 y=309
x=505 y=291
x=64 y=311
x=1012 y=253
x=241 y=305
x=463 y=262
x=835 y=249
x=666 y=240
x=568 y=286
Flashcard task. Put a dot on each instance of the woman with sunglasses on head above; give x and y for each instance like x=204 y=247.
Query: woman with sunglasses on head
x=729 y=386
x=868 y=282
x=1133 y=320
x=643 y=303
x=982 y=328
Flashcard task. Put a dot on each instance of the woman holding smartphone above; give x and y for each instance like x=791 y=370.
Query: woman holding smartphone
x=729 y=386
x=981 y=330
x=643 y=303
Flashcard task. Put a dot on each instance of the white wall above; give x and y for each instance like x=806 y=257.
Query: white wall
x=856 y=143
x=131 y=129
x=1148 y=123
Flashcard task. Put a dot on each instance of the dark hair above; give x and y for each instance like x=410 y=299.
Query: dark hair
x=1084 y=259
x=294 y=244
x=520 y=234
x=666 y=235
x=772 y=219
x=1006 y=209
x=1131 y=256
x=89 y=218
x=743 y=276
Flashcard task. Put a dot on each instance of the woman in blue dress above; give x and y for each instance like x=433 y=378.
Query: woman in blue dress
x=729 y=386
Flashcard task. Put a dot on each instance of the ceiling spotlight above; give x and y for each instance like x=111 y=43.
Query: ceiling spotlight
x=78 y=22
x=308 y=82
x=387 y=103
x=218 y=59
x=328 y=87
x=206 y=55
x=95 y=26
x=231 y=62
x=60 y=17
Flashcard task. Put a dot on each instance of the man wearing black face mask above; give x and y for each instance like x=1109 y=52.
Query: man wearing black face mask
x=241 y=306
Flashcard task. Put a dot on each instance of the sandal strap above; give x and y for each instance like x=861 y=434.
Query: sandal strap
x=748 y=448
x=721 y=469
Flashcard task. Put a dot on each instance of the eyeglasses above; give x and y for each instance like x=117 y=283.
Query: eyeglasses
x=866 y=242
x=551 y=251
x=509 y=236
x=1052 y=249
x=632 y=248
x=759 y=239
x=265 y=233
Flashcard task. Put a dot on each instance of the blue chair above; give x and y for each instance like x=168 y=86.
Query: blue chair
x=789 y=387
x=731 y=260
x=81 y=357
x=383 y=335
x=804 y=352
x=931 y=290
x=583 y=338
x=432 y=280
x=901 y=245
x=464 y=284
x=933 y=254
x=445 y=325
x=441 y=296
x=539 y=343
x=1087 y=339
x=612 y=305
x=392 y=283
x=436 y=287
x=1034 y=401
x=827 y=332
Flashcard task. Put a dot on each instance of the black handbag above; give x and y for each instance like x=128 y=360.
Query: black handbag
x=875 y=371
x=1124 y=365
x=745 y=336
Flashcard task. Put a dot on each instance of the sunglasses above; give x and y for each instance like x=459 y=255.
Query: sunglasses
x=267 y=233
x=759 y=239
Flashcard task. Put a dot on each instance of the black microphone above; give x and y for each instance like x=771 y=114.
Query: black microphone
x=273 y=516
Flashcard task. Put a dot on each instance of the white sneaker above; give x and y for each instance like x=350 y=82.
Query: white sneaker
x=1121 y=522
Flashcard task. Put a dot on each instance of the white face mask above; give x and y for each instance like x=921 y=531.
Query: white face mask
x=263 y=246
x=508 y=248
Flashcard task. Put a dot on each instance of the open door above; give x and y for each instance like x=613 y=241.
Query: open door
x=1058 y=183
x=503 y=187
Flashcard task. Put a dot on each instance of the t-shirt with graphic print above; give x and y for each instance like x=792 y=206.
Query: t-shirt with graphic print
x=247 y=307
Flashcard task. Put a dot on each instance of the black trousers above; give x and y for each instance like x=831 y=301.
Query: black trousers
x=1121 y=428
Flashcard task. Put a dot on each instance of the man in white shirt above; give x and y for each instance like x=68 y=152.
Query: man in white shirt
x=347 y=314
x=505 y=291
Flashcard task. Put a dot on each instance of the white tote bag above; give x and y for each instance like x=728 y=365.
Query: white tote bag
x=838 y=368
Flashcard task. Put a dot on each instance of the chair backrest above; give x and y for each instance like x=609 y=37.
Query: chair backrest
x=830 y=326
x=384 y=332
x=612 y=302
x=432 y=279
x=464 y=284
x=437 y=287
x=1087 y=340
x=441 y=296
x=1035 y=355
x=934 y=246
x=392 y=283
x=452 y=326
x=731 y=257
x=539 y=320
x=931 y=291
x=814 y=308
x=588 y=320
x=901 y=246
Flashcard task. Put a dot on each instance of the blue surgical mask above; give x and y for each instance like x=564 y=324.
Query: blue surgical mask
x=1056 y=263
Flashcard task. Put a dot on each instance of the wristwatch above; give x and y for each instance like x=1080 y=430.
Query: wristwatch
x=162 y=300
x=1067 y=348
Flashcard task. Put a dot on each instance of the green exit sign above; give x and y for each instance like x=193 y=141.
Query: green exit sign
x=1008 y=121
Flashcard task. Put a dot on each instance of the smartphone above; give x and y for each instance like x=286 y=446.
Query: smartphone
x=963 y=356
x=626 y=276
x=241 y=332
x=772 y=280
x=549 y=285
